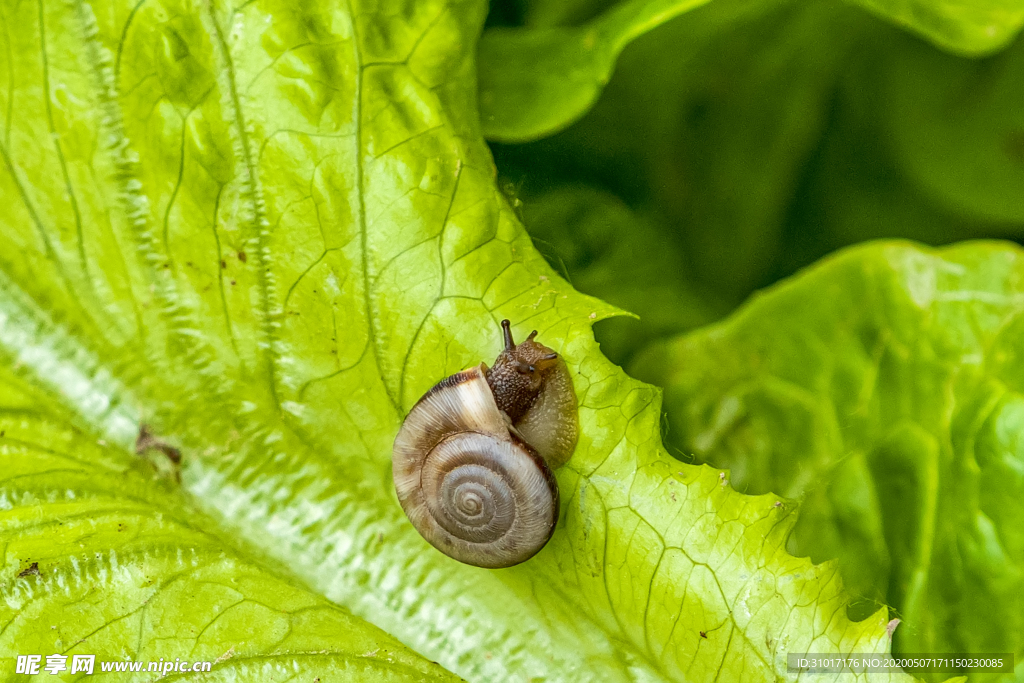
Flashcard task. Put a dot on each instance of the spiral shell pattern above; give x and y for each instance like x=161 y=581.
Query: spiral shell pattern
x=470 y=486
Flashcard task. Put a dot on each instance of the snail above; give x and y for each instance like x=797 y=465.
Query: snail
x=473 y=460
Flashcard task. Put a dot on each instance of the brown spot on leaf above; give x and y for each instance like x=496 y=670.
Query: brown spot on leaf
x=32 y=570
x=242 y=257
x=146 y=441
x=223 y=264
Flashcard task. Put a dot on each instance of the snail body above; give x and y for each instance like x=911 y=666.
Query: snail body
x=473 y=460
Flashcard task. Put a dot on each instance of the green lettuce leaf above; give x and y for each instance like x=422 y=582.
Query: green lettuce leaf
x=254 y=235
x=534 y=82
x=538 y=79
x=883 y=389
x=101 y=558
x=966 y=27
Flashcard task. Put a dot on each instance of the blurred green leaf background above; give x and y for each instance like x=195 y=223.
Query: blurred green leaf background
x=750 y=139
x=727 y=150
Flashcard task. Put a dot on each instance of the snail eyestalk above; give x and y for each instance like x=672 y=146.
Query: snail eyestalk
x=506 y=328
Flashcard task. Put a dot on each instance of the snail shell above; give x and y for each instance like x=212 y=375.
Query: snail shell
x=473 y=460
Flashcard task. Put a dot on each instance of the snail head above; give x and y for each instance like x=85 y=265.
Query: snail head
x=518 y=373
